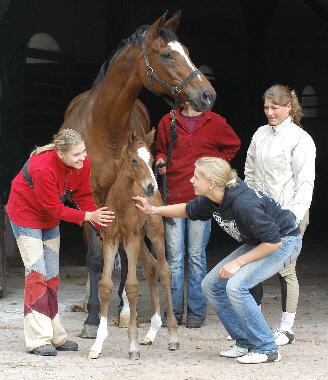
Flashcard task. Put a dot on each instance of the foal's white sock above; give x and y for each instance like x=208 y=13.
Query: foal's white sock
x=287 y=321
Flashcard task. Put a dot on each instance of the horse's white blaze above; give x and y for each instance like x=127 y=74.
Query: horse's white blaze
x=144 y=154
x=102 y=334
x=176 y=46
x=155 y=324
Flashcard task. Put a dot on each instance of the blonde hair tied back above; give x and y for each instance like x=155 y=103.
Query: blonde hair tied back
x=217 y=170
x=282 y=95
x=62 y=141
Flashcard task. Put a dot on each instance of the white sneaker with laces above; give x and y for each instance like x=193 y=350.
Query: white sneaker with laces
x=234 y=352
x=283 y=337
x=255 y=358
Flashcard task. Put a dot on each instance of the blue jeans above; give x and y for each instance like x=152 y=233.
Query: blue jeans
x=198 y=233
x=233 y=303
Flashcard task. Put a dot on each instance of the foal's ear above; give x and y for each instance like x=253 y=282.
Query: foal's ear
x=174 y=21
x=132 y=136
x=149 y=138
x=158 y=25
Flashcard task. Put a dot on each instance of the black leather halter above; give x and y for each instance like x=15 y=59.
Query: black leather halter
x=175 y=91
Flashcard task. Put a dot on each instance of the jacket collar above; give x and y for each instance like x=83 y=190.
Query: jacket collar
x=277 y=128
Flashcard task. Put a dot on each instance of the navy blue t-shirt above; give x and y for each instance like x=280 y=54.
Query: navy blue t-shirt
x=247 y=215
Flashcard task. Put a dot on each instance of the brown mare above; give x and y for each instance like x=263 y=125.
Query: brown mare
x=104 y=116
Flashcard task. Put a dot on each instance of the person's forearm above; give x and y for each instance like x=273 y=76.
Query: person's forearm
x=172 y=211
x=262 y=250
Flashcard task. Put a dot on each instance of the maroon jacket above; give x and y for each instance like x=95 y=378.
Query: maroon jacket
x=212 y=136
x=40 y=206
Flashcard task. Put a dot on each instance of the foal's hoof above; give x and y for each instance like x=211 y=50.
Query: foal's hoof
x=173 y=346
x=94 y=354
x=89 y=331
x=145 y=341
x=124 y=321
x=134 y=355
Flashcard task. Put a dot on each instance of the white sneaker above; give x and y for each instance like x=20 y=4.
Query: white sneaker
x=229 y=337
x=255 y=358
x=234 y=352
x=283 y=337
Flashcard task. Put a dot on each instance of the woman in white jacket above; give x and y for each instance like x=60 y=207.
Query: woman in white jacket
x=281 y=163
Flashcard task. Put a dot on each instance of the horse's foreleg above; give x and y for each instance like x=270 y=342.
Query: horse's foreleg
x=105 y=292
x=124 y=308
x=94 y=265
x=132 y=247
x=149 y=271
x=155 y=233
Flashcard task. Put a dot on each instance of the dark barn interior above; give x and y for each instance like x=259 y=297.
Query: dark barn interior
x=52 y=50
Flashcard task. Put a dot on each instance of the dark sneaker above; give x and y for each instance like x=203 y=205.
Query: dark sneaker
x=46 y=350
x=194 y=323
x=255 y=358
x=68 y=346
x=178 y=319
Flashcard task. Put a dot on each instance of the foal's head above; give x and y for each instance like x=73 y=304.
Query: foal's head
x=138 y=161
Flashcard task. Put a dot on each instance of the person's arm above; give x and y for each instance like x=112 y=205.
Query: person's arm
x=303 y=162
x=172 y=211
x=262 y=250
x=229 y=141
x=249 y=171
x=161 y=146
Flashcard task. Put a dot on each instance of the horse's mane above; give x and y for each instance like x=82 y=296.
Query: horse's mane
x=135 y=39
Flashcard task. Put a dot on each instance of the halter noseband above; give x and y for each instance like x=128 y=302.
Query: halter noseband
x=175 y=91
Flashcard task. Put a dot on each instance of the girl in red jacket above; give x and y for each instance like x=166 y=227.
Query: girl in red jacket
x=35 y=208
x=198 y=134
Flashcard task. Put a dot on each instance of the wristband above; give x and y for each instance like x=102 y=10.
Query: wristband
x=151 y=210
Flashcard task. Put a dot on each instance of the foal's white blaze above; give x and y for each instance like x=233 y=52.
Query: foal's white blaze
x=176 y=46
x=155 y=324
x=102 y=334
x=144 y=154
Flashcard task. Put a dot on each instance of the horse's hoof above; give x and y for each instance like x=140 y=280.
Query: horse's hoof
x=134 y=355
x=94 y=354
x=145 y=341
x=89 y=331
x=124 y=321
x=173 y=346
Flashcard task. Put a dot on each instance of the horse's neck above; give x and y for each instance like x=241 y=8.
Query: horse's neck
x=116 y=96
x=123 y=185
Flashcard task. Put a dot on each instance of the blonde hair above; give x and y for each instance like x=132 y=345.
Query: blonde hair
x=62 y=141
x=217 y=170
x=283 y=95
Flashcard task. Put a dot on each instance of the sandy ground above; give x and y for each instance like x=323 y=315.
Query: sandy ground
x=197 y=357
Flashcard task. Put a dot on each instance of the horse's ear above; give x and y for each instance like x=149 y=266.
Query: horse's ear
x=149 y=138
x=174 y=21
x=158 y=25
x=132 y=136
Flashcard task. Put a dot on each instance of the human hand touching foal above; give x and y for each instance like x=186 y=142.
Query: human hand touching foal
x=102 y=216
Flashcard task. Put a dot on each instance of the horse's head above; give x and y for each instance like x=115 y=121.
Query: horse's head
x=166 y=60
x=138 y=161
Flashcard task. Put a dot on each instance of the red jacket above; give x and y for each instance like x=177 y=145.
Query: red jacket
x=40 y=206
x=212 y=136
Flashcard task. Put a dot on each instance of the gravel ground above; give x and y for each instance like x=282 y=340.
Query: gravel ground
x=197 y=357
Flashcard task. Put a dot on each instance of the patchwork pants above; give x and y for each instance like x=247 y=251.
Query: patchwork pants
x=39 y=249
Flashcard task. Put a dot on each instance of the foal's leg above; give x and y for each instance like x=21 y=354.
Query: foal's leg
x=132 y=246
x=155 y=233
x=94 y=265
x=149 y=271
x=124 y=308
x=105 y=292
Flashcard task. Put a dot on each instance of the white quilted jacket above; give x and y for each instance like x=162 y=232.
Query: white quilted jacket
x=281 y=163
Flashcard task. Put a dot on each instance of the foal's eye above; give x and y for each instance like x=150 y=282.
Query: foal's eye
x=167 y=55
x=134 y=161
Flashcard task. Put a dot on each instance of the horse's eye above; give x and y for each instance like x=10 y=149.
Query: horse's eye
x=134 y=161
x=167 y=55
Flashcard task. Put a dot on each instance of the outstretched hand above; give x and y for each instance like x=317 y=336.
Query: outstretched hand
x=142 y=204
x=102 y=216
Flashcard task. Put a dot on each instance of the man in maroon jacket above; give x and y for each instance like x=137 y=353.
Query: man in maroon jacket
x=198 y=134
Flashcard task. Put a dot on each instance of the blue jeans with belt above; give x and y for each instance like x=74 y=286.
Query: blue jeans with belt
x=198 y=233
x=234 y=304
